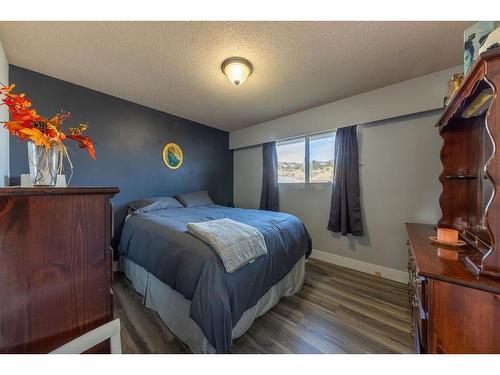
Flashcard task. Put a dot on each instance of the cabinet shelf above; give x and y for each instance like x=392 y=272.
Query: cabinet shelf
x=470 y=128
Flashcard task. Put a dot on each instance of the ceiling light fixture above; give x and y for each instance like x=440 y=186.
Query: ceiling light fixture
x=237 y=69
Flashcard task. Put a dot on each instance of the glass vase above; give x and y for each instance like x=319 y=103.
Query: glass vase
x=44 y=164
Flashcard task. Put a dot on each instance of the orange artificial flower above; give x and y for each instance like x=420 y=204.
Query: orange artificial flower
x=7 y=89
x=84 y=142
x=27 y=124
x=37 y=137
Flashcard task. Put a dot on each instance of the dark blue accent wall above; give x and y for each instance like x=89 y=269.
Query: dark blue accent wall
x=129 y=139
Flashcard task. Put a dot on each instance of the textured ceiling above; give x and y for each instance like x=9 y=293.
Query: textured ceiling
x=175 y=66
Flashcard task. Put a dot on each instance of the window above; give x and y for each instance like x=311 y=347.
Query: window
x=291 y=161
x=306 y=159
x=321 y=157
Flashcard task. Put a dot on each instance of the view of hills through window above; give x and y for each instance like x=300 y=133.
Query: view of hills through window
x=321 y=157
x=292 y=159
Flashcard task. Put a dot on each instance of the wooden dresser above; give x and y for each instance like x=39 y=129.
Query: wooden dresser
x=455 y=292
x=55 y=265
x=453 y=311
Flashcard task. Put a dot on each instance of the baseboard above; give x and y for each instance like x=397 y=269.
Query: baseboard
x=385 y=272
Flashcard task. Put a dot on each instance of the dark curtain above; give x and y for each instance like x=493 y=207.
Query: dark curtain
x=269 y=198
x=345 y=211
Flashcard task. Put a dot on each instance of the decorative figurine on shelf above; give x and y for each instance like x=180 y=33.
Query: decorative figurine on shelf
x=474 y=37
x=453 y=85
x=492 y=41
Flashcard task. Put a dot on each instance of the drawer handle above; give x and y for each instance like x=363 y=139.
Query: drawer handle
x=414 y=302
x=415 y=279
x=418 y=282
x=416 y=305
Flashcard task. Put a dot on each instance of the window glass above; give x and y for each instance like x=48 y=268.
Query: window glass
x=321 y=149
x=291 y=160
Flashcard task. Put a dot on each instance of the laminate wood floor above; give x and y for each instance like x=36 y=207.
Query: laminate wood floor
x=338 y=310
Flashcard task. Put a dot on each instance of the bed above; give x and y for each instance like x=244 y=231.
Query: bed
x=184 y=280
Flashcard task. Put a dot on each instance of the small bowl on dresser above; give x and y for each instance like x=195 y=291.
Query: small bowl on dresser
x=446 y=236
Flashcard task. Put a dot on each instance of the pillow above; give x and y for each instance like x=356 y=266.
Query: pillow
x=195 y=199
x=153 y=204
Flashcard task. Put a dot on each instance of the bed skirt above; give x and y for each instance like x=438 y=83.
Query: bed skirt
x=173 y=308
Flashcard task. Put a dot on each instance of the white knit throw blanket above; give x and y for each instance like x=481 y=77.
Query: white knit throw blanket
x=236 y=243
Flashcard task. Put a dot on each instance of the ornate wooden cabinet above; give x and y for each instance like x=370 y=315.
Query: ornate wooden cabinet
x=455 y=293
x=453 y=311
x=55 y=265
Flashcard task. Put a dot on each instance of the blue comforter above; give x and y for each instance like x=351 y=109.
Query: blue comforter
x=159 y=242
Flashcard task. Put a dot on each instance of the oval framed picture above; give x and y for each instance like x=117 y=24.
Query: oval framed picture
x=172 y=155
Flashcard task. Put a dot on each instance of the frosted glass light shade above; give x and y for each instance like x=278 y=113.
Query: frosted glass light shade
x=237 y=69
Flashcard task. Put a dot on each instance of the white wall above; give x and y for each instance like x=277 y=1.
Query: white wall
x=417 y=95
x=4 y=116
x=399 y=183
x=399 y=172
